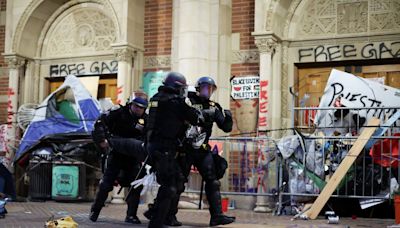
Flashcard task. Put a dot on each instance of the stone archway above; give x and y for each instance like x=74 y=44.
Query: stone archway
x=311 y=22
x=38 y=14
x=85 y=30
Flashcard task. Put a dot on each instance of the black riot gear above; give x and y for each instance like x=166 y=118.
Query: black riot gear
x=205 y=86
x=206 y=80
x=175 y=81
x=168 y=112
x=211 y=166
x=119 y=135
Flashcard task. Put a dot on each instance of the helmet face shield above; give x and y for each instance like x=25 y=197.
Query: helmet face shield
x=183 y=91
x=206 y=90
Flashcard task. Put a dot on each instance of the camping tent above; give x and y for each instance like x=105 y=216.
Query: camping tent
x=68 y=109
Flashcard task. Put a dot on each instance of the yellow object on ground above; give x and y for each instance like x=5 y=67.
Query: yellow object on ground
x=66 y=222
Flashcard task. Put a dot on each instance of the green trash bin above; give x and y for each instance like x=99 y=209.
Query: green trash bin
x=65 y=181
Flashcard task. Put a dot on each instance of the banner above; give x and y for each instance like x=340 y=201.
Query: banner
x=246 y=87
x=356 y=92
x=151 y=82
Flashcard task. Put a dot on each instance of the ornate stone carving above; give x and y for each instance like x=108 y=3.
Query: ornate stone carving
x=34 y=5
x=284 y=83
x=292 y=8
x=352 y=17
x=15 y=62
x=320 y=18
x=327 y=17
x=384 y=15
x=245 y=56
x=124 y=54
x=83 y=30
x=265 y=45
x=160 y=61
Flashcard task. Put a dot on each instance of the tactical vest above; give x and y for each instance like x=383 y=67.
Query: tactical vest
x=165 y=120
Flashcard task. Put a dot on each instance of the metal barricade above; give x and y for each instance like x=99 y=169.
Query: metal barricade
x=249 y=161
x=296 y=170
x=321 y=139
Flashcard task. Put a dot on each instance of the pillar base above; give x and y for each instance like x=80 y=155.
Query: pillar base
x=262 y=209
x=117 y=198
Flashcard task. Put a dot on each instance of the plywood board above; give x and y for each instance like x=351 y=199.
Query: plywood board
x=342 y=169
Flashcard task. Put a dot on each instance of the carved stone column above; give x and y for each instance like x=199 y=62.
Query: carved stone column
x=15 y=64
x=37 y=82
x=276 y=95
x=266 y=47
x=125 y=56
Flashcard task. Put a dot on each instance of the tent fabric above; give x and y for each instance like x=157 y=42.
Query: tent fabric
x=51 y=118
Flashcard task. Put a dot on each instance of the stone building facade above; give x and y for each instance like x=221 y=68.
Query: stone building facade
x=285 y=43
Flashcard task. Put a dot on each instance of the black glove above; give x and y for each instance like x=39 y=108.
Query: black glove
x=227 y=113
x=209 y=114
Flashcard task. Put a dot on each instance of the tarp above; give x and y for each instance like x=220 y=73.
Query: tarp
x=68 y=109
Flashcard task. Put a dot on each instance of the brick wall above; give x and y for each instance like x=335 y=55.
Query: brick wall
x=4 y=75
x=242 y=23
x=157 y=29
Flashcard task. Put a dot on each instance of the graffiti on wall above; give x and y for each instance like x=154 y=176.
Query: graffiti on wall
x=96 y=67
x=120 y=90
x=323 y=53
x=263 y=106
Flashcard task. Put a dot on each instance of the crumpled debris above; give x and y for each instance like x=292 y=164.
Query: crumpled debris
x=66 y=222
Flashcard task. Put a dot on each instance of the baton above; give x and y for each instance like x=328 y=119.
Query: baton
x=201 y=193
x=137 y=176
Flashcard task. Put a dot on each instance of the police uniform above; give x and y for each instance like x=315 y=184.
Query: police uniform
x=124 y=131
x=211 y=167
x=168 y=112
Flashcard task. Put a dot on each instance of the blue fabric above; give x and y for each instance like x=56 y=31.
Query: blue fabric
x=51 y=125
x=90 y=112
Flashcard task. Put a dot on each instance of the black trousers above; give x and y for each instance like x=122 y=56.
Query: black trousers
x=203 y=160
x=169 y=176
x=122 y=165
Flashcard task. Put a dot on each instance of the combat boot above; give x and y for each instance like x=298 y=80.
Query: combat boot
x=94 y=214
x=221 y=220
x=132 y=219
x=172 y=221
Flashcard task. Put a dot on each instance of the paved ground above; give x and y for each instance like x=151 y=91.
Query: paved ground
x=34 y=214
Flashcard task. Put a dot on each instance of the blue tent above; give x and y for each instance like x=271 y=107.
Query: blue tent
x=69 y=109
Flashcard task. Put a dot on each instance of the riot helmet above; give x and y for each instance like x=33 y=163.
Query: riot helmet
x=206 y=86
x=138 y=102
x=176 y=81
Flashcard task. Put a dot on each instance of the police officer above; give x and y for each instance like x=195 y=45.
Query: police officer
x=119 y=134
x=168 y=112
x=211 y=166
